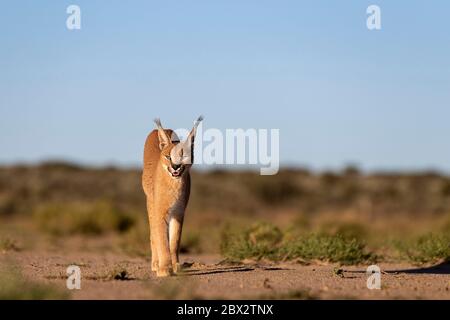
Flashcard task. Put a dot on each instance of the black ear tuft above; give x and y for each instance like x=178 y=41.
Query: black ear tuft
x=200 y=119
x=158 y=122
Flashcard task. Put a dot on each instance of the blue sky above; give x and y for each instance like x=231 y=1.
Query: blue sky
x=338 y=92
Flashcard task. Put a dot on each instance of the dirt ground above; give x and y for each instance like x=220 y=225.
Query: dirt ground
x=114 y=276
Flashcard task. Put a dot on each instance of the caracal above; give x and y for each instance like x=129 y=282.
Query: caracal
x=166 y=181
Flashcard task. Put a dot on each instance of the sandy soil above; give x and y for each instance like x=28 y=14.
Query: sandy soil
x=205 y=277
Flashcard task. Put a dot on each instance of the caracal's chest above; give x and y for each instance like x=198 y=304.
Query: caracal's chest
x=176 y=200
x=172 y=195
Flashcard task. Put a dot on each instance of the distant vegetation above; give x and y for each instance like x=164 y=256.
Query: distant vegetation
x=345 y=217
x=82 y=218
x=23 y=189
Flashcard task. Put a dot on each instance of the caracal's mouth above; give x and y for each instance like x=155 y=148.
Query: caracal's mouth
x=176 y=173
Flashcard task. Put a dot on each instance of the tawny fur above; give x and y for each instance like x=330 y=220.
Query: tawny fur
x=167 y=198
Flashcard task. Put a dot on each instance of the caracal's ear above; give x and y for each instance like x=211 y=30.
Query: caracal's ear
x=164 y=139
x=189 y=143
x=193 y=132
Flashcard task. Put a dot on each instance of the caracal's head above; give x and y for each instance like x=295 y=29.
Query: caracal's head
x=176 y=157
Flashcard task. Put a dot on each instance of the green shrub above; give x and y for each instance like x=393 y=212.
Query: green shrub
x=332 y=248
x=259 y=241
x=266 y=241
x=427 y=248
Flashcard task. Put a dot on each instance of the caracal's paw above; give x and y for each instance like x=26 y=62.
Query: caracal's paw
x=164 y=272
x=154 y=266
x=177 y=267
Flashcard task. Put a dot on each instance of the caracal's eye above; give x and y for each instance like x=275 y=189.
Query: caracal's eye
x=168 y=157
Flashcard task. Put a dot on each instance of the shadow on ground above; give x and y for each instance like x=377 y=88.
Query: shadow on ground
x=442 y=268
x=219 y=268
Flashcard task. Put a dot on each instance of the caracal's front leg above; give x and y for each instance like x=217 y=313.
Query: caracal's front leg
x=162 y=243
x=175 y=228
x=153 y=239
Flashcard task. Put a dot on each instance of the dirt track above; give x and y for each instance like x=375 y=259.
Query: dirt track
x=207 y=278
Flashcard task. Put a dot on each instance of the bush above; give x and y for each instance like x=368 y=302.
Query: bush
x=74 y=218
x=427 y=248
x=259 y=241
x=266 y=241
x=326 y=248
